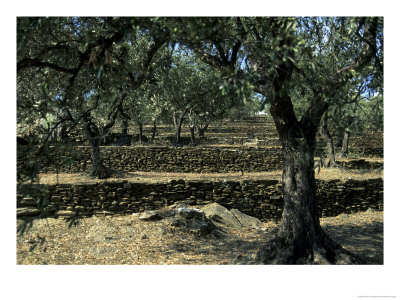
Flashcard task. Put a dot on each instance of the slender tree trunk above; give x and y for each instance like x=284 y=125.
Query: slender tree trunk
x=98 y=169
x=339 y=137
x=345 y=145
x=178 y=133
x=178 y=121
x=192 y=136
x=154 y=130
x=202 y=130
x=93 y=134
x=330 y=162
x=140 y=133
x=125 y=126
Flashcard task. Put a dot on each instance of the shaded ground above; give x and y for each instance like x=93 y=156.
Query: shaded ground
x=127 y=240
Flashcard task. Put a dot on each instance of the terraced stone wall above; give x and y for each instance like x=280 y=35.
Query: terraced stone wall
x=172 y=159
x=261 y=199
x=186 y=159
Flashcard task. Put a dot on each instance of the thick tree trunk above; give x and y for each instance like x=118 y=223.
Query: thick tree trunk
x=192 y=136
x=300 y=239
x=330 y=162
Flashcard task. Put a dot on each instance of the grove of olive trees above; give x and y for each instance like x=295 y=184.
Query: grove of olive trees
x=318 y=79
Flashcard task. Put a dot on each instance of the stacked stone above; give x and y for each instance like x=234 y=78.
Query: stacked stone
x=360 y=164
x=188 y=159
x=172 y=159
x=368 y=151
x=335 y=196
x=367 y=139
x=261 y=199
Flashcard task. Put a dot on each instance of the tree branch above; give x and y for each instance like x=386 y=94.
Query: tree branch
x=34 y=62
x=235 y=51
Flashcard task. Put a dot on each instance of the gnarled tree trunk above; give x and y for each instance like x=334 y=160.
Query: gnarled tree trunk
x=300 y=239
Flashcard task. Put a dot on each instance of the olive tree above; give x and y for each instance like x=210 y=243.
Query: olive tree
x=284 y=54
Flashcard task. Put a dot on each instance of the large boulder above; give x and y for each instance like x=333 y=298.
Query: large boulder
x=221 y=216
x=246 y=220
x=183 y=217
x=193 y=220
x=212 y=218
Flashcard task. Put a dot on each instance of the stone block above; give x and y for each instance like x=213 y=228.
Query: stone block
x=27 y=211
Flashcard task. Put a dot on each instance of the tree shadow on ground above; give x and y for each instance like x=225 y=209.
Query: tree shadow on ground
x=366 y=239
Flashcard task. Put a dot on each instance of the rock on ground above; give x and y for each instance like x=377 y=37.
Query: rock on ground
x=212 y=218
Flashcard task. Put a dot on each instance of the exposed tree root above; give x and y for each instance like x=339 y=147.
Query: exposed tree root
x=323 y=251
x=331 y=163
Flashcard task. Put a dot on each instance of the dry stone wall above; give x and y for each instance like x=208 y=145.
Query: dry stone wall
x=261 y=199
x=172 y=159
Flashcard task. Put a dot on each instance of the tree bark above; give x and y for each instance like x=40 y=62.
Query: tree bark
x=178 y=134
x=330 y=162
x=339 y=136
x=178 y=121
x=202 y=130
x=98 y=169
x=153 y=132
x=140 y=133
x=93 y=134
x=192 y=136
x=300 y=239
x=345 y=145
x=125 y=126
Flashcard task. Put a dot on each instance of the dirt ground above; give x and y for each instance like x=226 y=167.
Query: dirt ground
x=117 y=240
x=153 y=177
